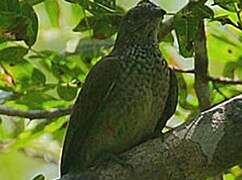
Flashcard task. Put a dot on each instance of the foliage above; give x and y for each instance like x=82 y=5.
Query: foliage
x=34 y=76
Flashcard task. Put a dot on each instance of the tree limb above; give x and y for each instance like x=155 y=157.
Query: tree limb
x=206 y=146
x=35 y=114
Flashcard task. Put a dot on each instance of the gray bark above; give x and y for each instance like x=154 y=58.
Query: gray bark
x=205 y=146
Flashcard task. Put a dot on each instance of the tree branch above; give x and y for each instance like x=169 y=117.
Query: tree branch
x=220 y=80
x=35 y=114
x=206 y=146
x=224 y=80
x=201 y=68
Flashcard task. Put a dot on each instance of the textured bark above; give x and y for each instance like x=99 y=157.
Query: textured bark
x=206 y=146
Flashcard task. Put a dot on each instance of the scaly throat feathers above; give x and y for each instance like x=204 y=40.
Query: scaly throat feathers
x=125 y=39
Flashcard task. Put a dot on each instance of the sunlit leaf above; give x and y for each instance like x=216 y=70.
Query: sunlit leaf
x=53 y=10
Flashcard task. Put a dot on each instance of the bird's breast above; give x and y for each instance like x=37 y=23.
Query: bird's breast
x=134 y=106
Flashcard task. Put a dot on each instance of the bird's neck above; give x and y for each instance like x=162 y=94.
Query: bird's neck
x=123 y=41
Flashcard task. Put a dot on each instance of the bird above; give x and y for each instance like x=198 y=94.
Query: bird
x=127 y=96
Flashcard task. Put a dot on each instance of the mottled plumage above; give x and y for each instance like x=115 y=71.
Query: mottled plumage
x=126 y=96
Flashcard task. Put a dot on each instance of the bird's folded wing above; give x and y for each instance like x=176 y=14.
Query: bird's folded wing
x=171 y=102
x=96 y=89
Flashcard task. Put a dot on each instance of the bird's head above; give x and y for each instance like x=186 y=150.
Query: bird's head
x=141 y=23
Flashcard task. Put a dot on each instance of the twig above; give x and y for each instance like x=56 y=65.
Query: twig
x=221 y=80
x=224 y=80
x=35 y=114
x=189 y=71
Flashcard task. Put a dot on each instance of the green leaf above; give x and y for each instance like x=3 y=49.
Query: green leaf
x=229 y=5
x=21 y=73
x=103 y=26
x=34 y=99
x=19 y=25
x=31 y=28
x=67 y=92
x=202 y=11
x=53 y=10
x=11 y=26
x=13 y=54
x=38 y=77
x=9 y=5
x=186 y=25
x=229 y=69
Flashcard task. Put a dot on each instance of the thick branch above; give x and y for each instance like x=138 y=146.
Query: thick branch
x=206 y=146
x=35 y=114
